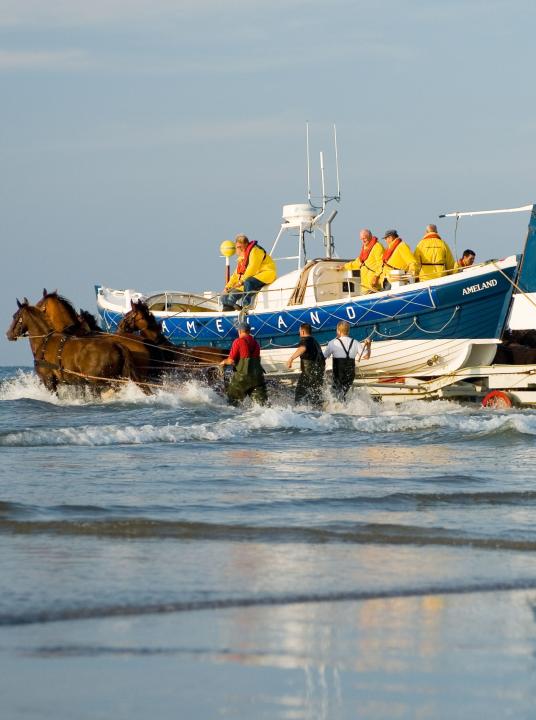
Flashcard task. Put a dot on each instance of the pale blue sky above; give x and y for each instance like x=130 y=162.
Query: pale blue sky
x=135 y=136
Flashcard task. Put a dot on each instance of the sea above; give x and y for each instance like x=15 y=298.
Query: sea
x=171 y=556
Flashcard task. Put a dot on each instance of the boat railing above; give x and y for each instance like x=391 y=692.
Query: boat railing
x=176 y=302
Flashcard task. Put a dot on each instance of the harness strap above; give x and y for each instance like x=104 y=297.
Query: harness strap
x=47 y=365
x=347 y=352
x=61 y=345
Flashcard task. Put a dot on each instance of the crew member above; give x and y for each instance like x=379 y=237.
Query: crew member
x=248 y=377
x=397 y=256
x=433 y=255
x=466 y=260
x=344 y=350
x=312 y=363
x=369 y=262
x=254 y=269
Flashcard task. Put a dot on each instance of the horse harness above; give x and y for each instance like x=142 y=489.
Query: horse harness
x=42 y=363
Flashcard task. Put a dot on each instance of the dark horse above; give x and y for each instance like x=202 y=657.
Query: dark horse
x=64 y=318
x=141 y=319
x=61 y=358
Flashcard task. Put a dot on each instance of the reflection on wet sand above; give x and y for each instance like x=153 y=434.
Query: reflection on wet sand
x=385 y=657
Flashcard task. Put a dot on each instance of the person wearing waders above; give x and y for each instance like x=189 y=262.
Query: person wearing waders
x=311 y=381
x=248 y=377
x=344 y=351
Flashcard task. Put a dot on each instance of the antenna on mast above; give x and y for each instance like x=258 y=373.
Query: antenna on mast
x=308 y=164
x=338 y=195
x=323 y=183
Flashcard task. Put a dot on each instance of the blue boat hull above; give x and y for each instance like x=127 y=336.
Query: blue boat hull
x=466 y=307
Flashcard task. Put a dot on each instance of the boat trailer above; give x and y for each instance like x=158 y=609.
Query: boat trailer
x=498 y=386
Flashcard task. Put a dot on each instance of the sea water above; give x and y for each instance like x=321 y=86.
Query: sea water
x=170 y=556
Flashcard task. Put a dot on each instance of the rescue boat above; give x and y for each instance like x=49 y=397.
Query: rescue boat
x=423 y=329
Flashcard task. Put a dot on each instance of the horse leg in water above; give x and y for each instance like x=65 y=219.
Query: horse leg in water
x=129 y=370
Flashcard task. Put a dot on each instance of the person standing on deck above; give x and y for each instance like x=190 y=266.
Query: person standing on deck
x=369 y=262
x=311 y=381
x=397 y=256
x=433 y=255
x=344 y=351
x=254 y=269
x=248 y=377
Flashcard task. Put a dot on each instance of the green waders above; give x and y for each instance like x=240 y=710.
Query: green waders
x=247 y=381
x=309 y=387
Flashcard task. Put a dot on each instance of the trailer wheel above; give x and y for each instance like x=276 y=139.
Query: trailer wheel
x=497 y=399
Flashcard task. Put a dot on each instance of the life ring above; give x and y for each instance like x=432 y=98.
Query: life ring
x=497 y=399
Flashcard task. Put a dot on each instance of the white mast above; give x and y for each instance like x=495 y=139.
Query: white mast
x=306 y=217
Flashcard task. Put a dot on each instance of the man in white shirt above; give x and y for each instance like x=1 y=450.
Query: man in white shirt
x=344 y=350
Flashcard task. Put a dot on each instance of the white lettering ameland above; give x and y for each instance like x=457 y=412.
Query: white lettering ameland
x=164 y=326
x=219 y=326
x=281 y=323
x=190 y=326
x=350 y=312
x=479 y=286
x=314 y=318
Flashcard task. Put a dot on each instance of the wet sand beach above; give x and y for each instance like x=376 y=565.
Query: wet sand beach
x=430 y=656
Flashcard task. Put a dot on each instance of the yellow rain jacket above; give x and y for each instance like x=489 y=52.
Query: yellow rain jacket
x=401 y=259
x=369 y=269
x=434 y=257
x=259 y=265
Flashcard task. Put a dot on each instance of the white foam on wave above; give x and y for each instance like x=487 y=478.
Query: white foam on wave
x=25 y=385
x=361 y=414
x=251 y=420
x=468 y=422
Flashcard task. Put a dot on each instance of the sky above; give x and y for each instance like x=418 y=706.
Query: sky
x=137 y=135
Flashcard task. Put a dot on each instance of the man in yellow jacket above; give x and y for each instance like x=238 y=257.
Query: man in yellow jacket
x=254 y=269
x=369 y=263
x=433 y=255
x=466 y=260
x=397 y=256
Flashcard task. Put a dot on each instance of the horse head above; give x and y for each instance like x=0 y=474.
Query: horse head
x=22 y=320
x=136 y=319
x=58 y=311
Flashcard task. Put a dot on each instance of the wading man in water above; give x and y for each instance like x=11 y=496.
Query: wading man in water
x=311 y=381
x=344 y=351
x=248 y=377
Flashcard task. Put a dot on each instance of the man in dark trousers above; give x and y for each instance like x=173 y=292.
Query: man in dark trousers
x=248 y=377
x=311 y=381
x=344 y=351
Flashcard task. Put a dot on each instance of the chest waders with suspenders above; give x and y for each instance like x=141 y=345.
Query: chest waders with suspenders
x=343 y=371
x=247 y=380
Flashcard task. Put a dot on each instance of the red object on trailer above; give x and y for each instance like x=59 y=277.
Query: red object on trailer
x=497 y=399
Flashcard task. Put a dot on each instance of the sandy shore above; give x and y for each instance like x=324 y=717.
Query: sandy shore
x=436 y=656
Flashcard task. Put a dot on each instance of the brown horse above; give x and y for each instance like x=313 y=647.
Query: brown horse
x=61 y=314
x=67 y=359
x=141 y=319
x=64 y=318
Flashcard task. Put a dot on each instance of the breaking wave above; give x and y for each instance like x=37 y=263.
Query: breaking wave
x=237 y=425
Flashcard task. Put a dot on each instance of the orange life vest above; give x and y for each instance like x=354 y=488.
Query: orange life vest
x=367 y=249
x=243 y=262
x=390 y=250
